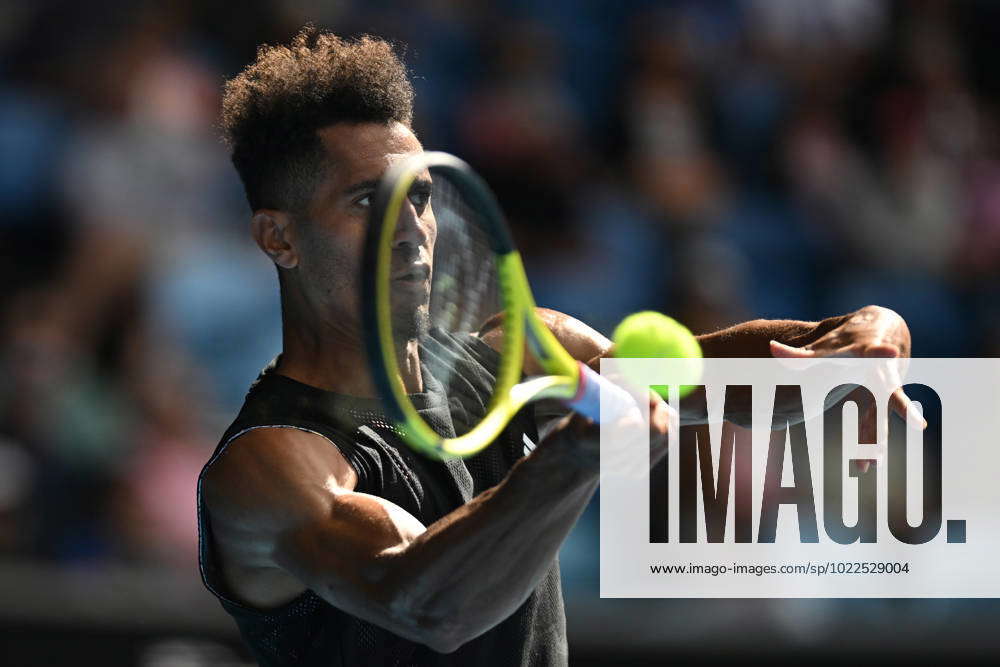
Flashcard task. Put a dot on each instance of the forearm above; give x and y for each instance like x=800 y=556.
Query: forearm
x=474 y=567
x=751 y=339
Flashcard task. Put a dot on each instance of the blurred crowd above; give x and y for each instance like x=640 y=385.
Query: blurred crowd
x=718 y=161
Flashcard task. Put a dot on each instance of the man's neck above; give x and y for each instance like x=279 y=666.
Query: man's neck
x=322 y=356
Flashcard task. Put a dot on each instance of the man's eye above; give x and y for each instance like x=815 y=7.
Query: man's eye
x=364 y=201
x=420 y=199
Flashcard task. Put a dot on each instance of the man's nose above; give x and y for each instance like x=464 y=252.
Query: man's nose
x=410 y=229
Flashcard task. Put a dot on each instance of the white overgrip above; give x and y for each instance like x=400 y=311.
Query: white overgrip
x=593 y=389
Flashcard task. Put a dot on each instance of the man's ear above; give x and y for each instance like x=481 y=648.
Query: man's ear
x=275 y=235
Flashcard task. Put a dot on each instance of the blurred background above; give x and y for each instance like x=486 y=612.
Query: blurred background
x=719 y=161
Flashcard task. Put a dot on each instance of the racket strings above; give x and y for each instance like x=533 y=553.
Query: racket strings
x=464 y=294
x=463 y=297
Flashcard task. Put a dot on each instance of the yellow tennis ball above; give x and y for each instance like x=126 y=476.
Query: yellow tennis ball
x=649 y=334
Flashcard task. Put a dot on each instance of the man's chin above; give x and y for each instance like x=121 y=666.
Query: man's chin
x=412 y=326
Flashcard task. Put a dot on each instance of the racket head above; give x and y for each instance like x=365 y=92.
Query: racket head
x=475 y=274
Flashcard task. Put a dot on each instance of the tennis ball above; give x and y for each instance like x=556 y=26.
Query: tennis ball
x=649 y=334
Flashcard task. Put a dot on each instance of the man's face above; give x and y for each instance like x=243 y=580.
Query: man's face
x=331 y=237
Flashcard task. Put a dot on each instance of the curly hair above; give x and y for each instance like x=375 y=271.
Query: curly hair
x=272 y=109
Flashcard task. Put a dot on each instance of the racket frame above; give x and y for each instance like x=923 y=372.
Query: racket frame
x=521 y=326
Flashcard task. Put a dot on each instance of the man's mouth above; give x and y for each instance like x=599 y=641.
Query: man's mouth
x=414 y=273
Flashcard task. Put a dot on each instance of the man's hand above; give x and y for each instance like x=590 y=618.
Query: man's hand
x=872 y=332
x=581 y=436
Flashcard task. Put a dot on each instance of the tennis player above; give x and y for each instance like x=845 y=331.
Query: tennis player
x=328 y=540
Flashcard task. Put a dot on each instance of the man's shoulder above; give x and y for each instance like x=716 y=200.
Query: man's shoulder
x=257 y=471
x=254 y=491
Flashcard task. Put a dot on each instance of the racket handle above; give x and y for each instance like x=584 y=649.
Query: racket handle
x=593 y=387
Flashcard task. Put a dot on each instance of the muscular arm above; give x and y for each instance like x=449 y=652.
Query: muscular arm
x=283 y=500
x=581 y=341
x=871 y=331
x=747 y=339
x=752 y=339
x=286 y=517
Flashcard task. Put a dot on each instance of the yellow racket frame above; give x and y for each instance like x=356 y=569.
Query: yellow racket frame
x=521 y=326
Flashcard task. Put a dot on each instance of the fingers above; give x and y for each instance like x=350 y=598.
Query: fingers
x=866 y=350
x=823 y=348
x=595 y=363
x=872 y=349
x=868 y=422
x=905 y=408
x=880 y=351
x=660 y=416
x=783 y=351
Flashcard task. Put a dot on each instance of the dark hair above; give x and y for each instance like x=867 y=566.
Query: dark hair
x=272 y=109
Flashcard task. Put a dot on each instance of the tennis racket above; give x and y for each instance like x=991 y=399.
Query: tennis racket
x=439 y=261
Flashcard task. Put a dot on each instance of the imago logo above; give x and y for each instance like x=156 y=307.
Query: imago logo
x=731 y=471
x=799 y=478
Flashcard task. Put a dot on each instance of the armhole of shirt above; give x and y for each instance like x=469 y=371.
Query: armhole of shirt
x=208 y=552
x=350 y=454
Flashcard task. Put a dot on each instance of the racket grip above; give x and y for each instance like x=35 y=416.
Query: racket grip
x=592 y=389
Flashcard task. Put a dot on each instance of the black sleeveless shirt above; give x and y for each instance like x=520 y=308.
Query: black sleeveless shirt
x=308 y=631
